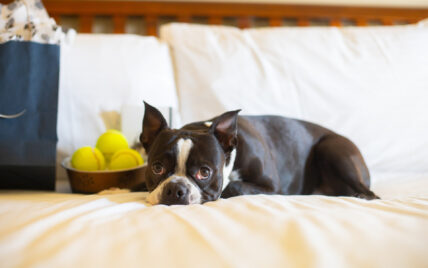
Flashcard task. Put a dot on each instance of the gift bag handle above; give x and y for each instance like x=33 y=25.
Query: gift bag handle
x=12 y=116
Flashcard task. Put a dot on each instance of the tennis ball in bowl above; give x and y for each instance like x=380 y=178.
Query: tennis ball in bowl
x=88 y=159
x=124 y=159
x=110 y=142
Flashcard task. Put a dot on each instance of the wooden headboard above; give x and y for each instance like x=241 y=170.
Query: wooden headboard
x=244 y=14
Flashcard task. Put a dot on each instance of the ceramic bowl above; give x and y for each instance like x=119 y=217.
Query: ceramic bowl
x=89 y=182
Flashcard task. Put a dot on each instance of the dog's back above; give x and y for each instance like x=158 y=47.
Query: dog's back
x=278 y=145
x=289 y=156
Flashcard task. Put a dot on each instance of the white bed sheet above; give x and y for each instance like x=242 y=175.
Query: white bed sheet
x=68 y=230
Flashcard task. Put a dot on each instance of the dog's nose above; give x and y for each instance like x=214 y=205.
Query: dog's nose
x=175 y=193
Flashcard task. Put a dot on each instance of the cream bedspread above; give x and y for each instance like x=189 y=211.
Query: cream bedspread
x=67 y=230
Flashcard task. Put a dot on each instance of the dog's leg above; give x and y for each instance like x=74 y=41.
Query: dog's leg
x=258 y=179
x=236 y=188
x=341 y=168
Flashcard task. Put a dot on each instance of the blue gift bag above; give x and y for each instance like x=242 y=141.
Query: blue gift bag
x=29 y=74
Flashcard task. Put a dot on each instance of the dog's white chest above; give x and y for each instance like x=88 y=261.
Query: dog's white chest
x=227 y=170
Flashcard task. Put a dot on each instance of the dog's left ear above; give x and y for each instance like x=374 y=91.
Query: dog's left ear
x=153 y=124
x=225 y=129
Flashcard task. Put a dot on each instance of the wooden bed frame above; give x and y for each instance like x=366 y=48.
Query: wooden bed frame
x=216 y=12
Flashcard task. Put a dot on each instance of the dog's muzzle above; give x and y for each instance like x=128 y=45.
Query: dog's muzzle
x=176 y=190
x=175 y=193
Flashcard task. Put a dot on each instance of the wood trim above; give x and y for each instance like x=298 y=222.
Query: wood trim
x=216 y=11
x=335 y=22
x=228 y=9
x=151 y=25
x=184 y=18
x=215 y=20
x=85 y=23
x=387 y=21
x=361 y=22
x=274 y=22
x=57 y=19
x=119 y=23
x=244 y=22
x=302 y=22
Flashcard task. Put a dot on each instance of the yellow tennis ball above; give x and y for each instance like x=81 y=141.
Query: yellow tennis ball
x=88 y=159
x=124 y=159
x=110 y=142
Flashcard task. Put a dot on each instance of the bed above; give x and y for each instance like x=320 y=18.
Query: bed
x=51 y=229
x=40 y=229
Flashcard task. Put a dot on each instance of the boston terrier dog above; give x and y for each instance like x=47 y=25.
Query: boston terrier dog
x=232 y=155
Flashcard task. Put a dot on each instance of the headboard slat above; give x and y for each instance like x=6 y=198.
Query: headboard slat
x=361 y=22
x=151 y=25
x=85 y=23
x=302 y=22
x=387 y=21
x=184 y=18
x=335 y=22
x=119 y=24
x=275 y=22
x=215 y=20
x=244 y=22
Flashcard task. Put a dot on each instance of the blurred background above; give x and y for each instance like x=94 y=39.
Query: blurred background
x=137 y=24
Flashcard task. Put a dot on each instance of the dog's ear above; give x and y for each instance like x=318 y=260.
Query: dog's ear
x=225 y=129
x=153 y=123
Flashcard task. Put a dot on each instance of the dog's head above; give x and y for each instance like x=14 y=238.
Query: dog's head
x=187 y=165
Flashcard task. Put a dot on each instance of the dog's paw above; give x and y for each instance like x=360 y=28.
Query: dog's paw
x=232 y=189
x=368 y=196
x=114 y=190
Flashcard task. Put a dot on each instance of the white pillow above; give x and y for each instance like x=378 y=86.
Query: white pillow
x=369 y=84
x=104 y=80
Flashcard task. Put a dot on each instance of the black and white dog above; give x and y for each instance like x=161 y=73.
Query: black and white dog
x=232 y=155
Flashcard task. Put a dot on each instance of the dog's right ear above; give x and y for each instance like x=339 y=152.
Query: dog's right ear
x=153 y=123
x=225 y=129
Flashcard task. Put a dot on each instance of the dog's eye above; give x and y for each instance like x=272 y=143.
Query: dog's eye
x=158 y=168
x=203 y=173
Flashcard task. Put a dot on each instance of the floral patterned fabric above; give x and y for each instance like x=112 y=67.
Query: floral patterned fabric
x=27 y=20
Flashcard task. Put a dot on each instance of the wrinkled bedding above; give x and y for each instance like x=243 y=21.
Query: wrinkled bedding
x=39 y=229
